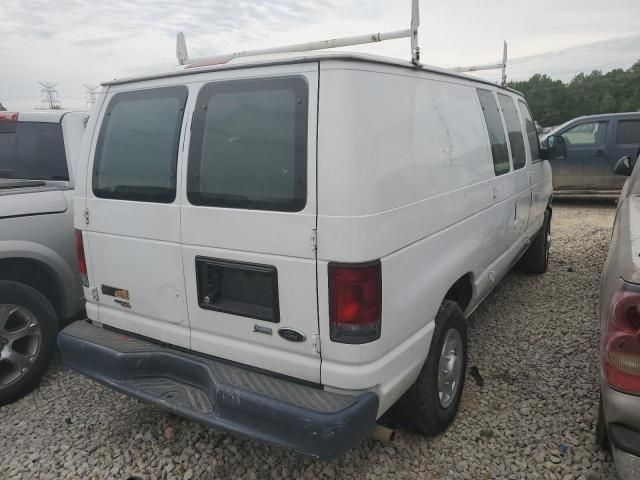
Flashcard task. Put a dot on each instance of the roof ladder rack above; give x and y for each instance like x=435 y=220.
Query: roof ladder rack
x=411 y=32
x=493 y=66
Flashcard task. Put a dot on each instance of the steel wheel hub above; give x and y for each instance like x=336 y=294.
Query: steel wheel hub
x=450 y=368
x=20 y=341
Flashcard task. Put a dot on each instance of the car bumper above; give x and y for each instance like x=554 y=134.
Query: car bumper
x=228 y=397
x=622 y=417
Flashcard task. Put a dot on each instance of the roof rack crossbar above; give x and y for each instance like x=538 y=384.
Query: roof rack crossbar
x=412 y=33
x=492 y=66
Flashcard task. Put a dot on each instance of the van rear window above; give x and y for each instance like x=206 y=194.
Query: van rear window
x=32 y=150
x=249 y=145
x=137 y=148
x=497 y=137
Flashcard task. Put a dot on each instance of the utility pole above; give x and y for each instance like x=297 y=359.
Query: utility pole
x=90 y=95
x=49 y=97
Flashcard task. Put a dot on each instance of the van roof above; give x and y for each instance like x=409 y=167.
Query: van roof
x=297 y=57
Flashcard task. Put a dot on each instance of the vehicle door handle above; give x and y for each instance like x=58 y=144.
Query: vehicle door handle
x=599 y=153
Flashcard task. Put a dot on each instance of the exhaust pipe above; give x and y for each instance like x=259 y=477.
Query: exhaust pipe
x=382 y=434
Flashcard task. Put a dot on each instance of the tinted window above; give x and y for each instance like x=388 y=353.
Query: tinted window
x=137 y=149
x=496 y=132
x=32 y=150
x=249 y=145
x=532 y=134
x=628 y=132
x=516 y=139
x=586 y=134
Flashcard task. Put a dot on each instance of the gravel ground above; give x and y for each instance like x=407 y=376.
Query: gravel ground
x=533 y=341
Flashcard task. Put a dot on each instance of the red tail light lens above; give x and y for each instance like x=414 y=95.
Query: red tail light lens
x=8 y=116
x=82 y=263
x=355 y=302
x=621 y=342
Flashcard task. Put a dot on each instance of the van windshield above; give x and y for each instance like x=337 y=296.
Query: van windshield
x=32 y=150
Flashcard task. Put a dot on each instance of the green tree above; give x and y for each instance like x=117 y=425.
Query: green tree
x=553 y=102
x=2 y=107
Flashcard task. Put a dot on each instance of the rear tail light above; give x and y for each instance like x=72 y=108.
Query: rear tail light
x=8 y=116
x=82 y=263
x=621 y=341
x=355 y=302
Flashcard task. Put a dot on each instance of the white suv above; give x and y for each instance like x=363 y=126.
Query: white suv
x=284 y=248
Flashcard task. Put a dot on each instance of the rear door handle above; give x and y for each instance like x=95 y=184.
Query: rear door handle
x=599 y=153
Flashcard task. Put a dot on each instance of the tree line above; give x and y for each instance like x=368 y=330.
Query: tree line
x=553 y=102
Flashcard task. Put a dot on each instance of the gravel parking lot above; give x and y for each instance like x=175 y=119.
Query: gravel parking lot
x=534 y=342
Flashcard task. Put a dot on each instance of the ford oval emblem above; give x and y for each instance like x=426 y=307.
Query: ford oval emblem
x=292 y=335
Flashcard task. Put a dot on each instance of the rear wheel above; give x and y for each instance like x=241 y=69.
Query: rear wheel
x=536 y=258
x=431 y=404
x=28 y=329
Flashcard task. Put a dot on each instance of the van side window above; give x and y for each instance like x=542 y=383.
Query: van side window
x=249 y=145
x=137 y=149
x=497 y=137
x=628 y=132
x=532 y=133
x=516 y=139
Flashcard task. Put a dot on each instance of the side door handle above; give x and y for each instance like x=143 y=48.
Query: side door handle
x=599 y=153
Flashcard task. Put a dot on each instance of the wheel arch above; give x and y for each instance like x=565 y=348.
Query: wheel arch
x=43 y=269
x=461 y=291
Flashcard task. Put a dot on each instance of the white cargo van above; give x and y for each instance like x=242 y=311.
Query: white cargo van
x=283 y=248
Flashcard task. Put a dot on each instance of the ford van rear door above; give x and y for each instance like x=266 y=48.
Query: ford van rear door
x=132 y=213
x=249 y=219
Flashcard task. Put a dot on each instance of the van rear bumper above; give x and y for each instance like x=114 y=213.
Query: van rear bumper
x=230 y=398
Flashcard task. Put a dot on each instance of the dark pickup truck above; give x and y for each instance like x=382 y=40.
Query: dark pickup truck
x=594 y=144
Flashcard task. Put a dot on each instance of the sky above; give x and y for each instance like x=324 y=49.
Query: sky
x=78 y=42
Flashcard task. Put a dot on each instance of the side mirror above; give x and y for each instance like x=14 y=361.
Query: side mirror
x=555 y=148
x=624 y=166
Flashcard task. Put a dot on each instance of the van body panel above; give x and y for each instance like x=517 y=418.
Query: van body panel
x=432 y=215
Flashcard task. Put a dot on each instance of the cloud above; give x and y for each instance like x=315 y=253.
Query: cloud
x=74 y=42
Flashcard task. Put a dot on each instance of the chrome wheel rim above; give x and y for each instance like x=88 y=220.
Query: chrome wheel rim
x=450 y=368
x=20 y=342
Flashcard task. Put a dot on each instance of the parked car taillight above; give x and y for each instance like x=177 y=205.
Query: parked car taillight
x=8 y=116
x=621 y=342
x=82 y=263
x=355 y=302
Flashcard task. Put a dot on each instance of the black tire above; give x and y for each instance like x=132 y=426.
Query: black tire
x=420 y=408
x=38 y=351
x=536 y=258
x=602 y=439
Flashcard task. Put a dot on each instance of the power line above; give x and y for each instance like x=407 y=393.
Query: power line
x=90 y=95
x=49 y=97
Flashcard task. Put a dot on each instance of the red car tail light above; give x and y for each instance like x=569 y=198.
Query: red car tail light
x=621 y=342
x=8 y=116
x=82 y=263
x=355 y=302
